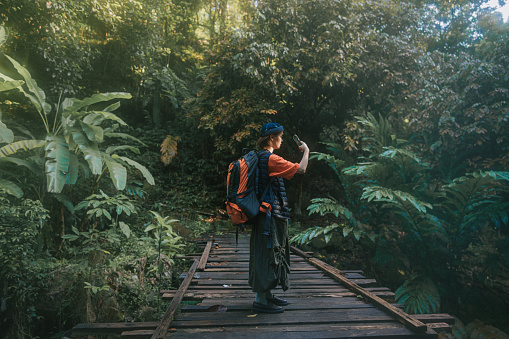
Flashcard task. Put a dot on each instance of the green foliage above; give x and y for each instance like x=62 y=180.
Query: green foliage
x=20 y=226
x=378 y=193
x=419 y=295
x=3 y=35
x=77 y=132
x=96 y=289
x=471 y=202
x=434 y=73
x=305 y=237
x=21 y=222
x=164 y=238
x=414 y=231
x=99 y=206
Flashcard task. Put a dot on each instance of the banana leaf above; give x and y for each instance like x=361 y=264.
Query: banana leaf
x=8 y=85
x=113 y=149
x=72 y=175
x=64 y=199
x=3 y=35
x=20 y=145
x=6 y=135
x=94 y=133
x=96 y=117
x=118 y=173
x=90 y=150
x=73 y=105
x=57 y=165
x=144 y=171
x=123 y=136
x=19 y=162
x=39 y=97
x=10 y=188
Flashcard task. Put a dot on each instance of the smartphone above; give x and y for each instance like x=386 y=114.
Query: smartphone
x=297 y=140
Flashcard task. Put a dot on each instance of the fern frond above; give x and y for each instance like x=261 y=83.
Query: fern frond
x=418 y=295
x=379 y=193
x=305 y=237
x=378 y=131
x=332 y=161
x=362 y=169
x=392 y=152
x=499 y=175
x=472 y=200
x=330 y=206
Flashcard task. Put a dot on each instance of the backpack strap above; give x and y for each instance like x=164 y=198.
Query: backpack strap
x=268 y=217
x=266 y=230
x=268 y=212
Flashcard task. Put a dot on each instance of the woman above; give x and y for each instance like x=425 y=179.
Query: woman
x=269 y=260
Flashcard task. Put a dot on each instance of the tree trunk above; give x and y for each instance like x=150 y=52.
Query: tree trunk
x=156 y=109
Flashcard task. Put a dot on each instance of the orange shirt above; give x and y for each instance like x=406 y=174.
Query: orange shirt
x=279 y=167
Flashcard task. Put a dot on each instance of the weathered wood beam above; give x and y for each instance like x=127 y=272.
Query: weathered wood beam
x=165 y=323
x=412 y=323
x=205 y=256
x=111 y=328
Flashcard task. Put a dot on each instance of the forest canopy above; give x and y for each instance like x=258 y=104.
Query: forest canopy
x=118 y=120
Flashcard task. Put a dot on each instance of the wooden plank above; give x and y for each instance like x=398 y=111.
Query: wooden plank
x=198 y=296
x=236 y=264
x=243 y=282
x=440 y=327
x=309 y=302
x=164 y=325
x=244 y=274
x=245 y=305
x=212 y=268
x=295 y=283
x=204 y=257
x=110 y=328
x=281 y=331
x=435 y=318
x=298 y=317
x=414 y=324
x=304 y=291
x=139 y=334
x=302 y=270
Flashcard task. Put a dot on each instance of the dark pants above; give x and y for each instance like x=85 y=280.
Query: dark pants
x=269 y=267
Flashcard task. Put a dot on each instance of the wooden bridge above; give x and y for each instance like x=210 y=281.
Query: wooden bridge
x=323 y=303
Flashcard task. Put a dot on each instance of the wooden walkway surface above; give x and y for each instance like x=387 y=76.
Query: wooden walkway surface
x=319 y=306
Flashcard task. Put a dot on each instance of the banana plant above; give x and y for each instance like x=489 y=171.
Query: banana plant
x=7 y=179
x=74 y=134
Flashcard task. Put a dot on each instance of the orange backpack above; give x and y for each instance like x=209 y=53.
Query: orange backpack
x=242 y=204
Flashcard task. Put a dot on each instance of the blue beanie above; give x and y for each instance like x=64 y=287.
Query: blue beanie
x=271 y=128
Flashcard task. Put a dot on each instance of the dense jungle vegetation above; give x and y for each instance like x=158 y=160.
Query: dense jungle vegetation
x=118 y=120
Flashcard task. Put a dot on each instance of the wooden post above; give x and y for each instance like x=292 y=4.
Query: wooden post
x=165 y=323
x=407 y=320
